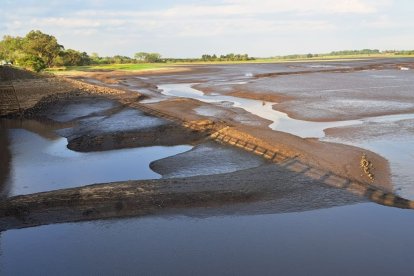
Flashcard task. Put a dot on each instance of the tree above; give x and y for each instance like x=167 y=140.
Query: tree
x=31 y=62
x=42 y=45
x=72 y=57
x=148 y=57
x=141 y=56
x=11 y=48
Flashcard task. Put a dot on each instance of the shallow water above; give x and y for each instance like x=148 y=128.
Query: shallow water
x=397 y=147
x=39 y=164
x=280 y=121
x=341 y=95
x=394 y=141
x=362 y=239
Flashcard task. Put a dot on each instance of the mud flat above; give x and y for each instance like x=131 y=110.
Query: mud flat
x=302 y=98
x=240 y=199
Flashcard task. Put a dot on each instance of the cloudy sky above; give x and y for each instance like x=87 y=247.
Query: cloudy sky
x=189 y=28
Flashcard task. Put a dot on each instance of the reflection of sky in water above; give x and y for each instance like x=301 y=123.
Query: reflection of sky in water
x=397 y=149
x=280 y=121
x=39 y=164
x=361 y=239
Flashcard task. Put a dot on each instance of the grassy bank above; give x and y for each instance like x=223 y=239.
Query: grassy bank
x=334 y=57
x=106 y=67
x=153 y=66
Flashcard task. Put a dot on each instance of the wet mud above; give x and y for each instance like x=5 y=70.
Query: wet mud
x=206 y=159
x=265 y=189
x=232 y=197
x=115 y=121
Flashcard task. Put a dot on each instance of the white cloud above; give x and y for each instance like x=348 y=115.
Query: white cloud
x=292 y=24
x=381 y=22
x=314 y=6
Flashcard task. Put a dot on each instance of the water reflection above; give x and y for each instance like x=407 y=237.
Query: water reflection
x=40 y=164
x=5 y=160
x=362 y=239
x=280 y=121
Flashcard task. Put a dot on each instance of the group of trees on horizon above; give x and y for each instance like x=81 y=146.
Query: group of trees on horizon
x=228 y=57
x=348 y=53
x=37 y=51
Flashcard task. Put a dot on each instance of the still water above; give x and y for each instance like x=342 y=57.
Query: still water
x=41 y=164
x=362 y=239
x=280 y=121
x=398 y=148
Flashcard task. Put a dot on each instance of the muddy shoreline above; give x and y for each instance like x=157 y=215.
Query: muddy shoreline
x=295 y=160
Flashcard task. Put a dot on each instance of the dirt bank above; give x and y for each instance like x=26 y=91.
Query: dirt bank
x=30 y=91
x=321 y=155
x=303 y=171
x=315 y=153
x=266 y=189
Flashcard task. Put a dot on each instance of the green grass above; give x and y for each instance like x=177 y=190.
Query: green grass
x=334 y=57
x=326 y=58
x=106 y=67
x=152 y=66
x=322 y=58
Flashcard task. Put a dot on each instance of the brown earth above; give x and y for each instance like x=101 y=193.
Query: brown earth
x=318 y=154
x=297 y=161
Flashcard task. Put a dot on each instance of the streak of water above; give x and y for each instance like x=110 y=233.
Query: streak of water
x=280 y=121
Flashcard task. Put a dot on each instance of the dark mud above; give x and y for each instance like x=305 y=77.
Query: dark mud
x=127 y=128
x=296 y=215
x=261 y=190
x=206 y=159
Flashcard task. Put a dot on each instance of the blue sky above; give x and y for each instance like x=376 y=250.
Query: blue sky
x=190 y=28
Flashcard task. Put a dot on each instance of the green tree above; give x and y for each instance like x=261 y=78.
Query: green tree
x=31 y=62
x=11 y=48
x=43 y=46
x=72 y=57
x=148 y=57
x=95 y=59
x=140 y=56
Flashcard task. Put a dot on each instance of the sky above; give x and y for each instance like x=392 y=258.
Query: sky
x=190 y=28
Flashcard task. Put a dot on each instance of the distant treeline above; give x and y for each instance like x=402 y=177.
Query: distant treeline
x=355 y=52
x=347 y=53
x=37 y=51
x=405 y=52
x=228 y=57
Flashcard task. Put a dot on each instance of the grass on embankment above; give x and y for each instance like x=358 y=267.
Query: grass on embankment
x=328 y=58
x=154 y=66
x=106 y=67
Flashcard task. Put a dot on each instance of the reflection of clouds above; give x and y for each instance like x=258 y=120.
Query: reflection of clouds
x=58 y=167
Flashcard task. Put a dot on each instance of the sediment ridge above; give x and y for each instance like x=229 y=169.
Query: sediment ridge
x=313 y=160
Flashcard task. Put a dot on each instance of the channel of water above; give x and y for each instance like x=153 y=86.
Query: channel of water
x=280 y=121
x=360 y=239
x=400 y=153
x=39 y=164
